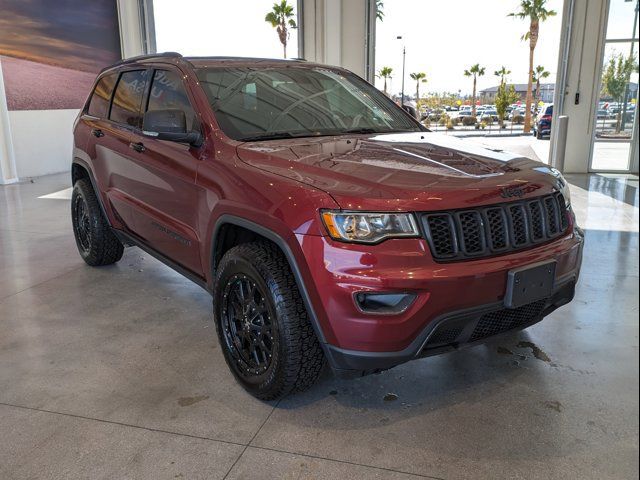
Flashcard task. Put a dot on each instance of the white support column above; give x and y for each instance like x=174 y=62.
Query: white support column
x=132 y=16
x=335 y=33
x=581 y=53
x=8 y=171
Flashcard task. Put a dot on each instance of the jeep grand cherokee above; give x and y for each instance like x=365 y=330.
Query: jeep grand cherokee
x=328 y=225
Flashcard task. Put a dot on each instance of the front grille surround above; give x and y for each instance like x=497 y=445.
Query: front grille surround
x=495 y=229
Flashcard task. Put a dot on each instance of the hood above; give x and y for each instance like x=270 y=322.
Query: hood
x=402 y=171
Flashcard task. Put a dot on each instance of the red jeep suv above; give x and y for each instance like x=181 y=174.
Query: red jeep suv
x=327 y=223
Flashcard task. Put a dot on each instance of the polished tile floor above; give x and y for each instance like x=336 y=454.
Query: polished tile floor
x=115 y=372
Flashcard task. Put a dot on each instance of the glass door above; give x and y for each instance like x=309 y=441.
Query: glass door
x=615 y=114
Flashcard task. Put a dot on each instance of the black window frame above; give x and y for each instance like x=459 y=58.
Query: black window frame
x=133 y=68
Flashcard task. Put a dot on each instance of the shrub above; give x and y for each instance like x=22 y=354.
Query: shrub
x=468 y=121
x=518 y=119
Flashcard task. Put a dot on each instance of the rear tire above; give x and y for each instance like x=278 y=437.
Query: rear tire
x=262 y=323
x=96 y=242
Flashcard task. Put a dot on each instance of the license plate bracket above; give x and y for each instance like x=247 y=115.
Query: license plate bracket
x=530 y=283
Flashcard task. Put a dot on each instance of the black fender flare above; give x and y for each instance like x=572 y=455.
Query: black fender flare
x=288 y=253
x=94 y=184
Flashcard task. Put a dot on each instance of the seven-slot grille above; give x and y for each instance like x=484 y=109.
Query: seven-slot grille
x=481 y=232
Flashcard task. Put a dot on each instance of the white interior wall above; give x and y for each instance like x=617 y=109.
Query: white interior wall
x=42 y=141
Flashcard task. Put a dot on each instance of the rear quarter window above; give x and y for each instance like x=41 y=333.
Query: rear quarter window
x=101 y=96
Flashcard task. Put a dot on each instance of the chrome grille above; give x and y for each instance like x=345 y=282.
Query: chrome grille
x=482 y=232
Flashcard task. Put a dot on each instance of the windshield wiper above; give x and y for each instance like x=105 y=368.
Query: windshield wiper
x=360 y=130
x=267 y=136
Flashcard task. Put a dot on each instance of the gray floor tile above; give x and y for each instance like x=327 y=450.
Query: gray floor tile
x=273 y=465
x=132 y=343
x=38 y=445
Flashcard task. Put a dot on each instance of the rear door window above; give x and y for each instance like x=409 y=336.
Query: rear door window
x=127 y=98
x=101 y=96
x=168 y=93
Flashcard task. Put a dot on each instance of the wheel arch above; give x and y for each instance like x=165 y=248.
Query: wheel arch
x=257 y=232
x=81 y=169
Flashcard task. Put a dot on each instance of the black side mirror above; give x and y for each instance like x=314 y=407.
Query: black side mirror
x=410 y=110
x=169 y=125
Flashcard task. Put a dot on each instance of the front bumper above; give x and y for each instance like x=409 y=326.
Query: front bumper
x=453 y=300
x=452 y=332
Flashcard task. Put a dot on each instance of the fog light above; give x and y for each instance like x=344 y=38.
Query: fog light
x=381 y=303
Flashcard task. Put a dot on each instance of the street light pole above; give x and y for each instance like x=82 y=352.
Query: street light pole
x=404 y=56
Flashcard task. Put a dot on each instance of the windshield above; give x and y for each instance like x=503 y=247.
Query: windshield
x=283 y=102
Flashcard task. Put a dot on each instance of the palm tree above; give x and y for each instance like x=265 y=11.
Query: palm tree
x=539 y=73
x=475 y=71
x=281 y=18
x=380 y=10
x=385 y=72
x=535 y=12
x=419 y=77
x=502 y=73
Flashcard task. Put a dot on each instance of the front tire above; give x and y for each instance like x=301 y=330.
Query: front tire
x=263 y=326
x=96 y=242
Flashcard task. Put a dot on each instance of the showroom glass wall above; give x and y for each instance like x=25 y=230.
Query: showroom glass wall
x=206 y=28
x=615 y=117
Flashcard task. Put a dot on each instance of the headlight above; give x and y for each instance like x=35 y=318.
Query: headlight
x=369 y=227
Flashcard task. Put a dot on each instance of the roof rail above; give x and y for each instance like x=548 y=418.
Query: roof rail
x=149 y=56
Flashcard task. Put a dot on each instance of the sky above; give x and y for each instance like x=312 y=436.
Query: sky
x=443 y=38
x=216 y=27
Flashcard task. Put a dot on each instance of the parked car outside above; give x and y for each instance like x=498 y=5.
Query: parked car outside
x=517 y=112
x=542 y=122
x=328 y=224
x=490 y=115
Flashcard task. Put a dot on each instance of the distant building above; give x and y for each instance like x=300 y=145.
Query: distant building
x=488 y=95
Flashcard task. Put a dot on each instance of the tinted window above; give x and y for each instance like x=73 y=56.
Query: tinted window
x=549 y=110
x=128 y=98
x=99 y=103
x=254 y=103
x=168 y=93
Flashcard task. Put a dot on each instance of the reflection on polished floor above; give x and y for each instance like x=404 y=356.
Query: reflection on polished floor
x=115 y=372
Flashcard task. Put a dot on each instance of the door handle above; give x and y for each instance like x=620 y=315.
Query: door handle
x=137 y=146
x=96 y=132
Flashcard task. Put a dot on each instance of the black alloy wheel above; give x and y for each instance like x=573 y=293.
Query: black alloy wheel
x=82 y=223
x=263 y=327
x=248 y=326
